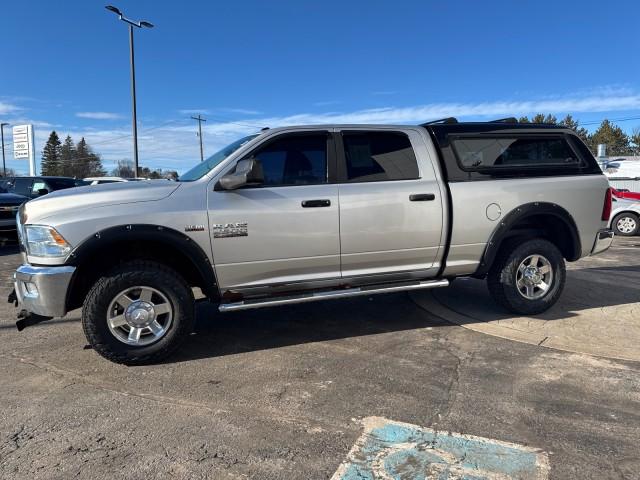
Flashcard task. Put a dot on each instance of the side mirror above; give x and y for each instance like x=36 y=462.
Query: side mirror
x=248 y=172
x=42 y=191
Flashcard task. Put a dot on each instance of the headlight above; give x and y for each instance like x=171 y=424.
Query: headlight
x=44 y=241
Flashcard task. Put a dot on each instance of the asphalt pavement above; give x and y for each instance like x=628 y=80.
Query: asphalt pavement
x=358 y=388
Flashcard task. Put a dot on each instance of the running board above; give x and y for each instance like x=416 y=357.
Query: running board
x=330 y=295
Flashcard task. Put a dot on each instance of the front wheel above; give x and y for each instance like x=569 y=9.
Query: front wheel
x=138 y=313
x=527 y=278
x=626 y=224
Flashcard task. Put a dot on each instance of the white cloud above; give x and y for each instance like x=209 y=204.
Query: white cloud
x=6 y=108
x=241 y=111
x=99 y=115
x=175 y=145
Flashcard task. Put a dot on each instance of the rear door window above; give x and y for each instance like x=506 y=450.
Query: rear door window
x=505 y=152
x=22 y=186
x=378 y=157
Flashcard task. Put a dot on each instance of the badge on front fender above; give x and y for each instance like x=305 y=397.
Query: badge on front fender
x=226 y=230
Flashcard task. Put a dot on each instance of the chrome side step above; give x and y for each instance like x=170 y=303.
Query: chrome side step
x=330 y=294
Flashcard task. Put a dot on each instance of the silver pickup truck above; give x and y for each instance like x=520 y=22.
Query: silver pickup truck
x=308 y=213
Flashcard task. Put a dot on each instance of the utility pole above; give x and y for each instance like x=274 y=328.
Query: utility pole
x=137 y=24
x=4 y=165
x=200 y=120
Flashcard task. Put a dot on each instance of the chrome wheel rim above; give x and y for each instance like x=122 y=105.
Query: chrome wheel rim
x=534 y=277
x=626 y=224
x=140 y=315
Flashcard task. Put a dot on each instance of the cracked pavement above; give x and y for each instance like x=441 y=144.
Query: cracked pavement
x=277 y=394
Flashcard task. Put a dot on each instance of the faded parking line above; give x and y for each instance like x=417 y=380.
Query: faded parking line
x=389 y=450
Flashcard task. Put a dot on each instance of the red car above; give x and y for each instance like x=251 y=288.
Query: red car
x=626 y=194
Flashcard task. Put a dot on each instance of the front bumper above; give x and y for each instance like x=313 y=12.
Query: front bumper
x=43 y=290
x=603 y=241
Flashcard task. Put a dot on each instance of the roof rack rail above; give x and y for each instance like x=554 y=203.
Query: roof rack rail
x=440 y=120
x=505 y=120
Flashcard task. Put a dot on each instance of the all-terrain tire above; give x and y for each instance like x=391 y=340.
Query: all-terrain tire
x=502 y=277
x=137 y=273
x=626 y=224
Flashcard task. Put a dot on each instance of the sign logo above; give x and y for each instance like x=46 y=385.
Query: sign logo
x=389 y=450
x=226 y=230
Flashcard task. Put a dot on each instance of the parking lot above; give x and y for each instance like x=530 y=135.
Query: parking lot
x=288 y=392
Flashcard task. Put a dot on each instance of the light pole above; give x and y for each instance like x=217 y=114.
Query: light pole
x=137 y=24
x=4 y=165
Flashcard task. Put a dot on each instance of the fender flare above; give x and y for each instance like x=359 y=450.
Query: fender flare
x=501 y=232
x=151 y=233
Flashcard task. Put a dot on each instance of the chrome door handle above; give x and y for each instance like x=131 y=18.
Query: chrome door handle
x=316 y=203
x=422 y=197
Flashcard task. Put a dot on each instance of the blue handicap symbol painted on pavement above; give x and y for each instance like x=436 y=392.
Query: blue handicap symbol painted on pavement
x=389 y=450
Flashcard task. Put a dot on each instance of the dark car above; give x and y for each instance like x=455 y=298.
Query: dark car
x=34 y=187
x=9 y=204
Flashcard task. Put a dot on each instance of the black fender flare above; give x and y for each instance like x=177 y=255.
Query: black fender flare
x=501 y=232
x=151 y=233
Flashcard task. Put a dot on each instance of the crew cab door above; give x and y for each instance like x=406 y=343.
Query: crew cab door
x=391 y=213
x=285 y=230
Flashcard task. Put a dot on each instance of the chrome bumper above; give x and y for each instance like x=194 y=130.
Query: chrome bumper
x=603 y=241
x=43 y=290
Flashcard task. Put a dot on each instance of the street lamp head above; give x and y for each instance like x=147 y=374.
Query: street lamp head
x=113 y=9
x=4 y=124
x=146 y=24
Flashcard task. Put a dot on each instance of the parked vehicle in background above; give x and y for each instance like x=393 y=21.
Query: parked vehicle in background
x=34 y=187
x=299 y=214
x=9 y=205
x=101 y=180
x=625 y=217
x=626 y=194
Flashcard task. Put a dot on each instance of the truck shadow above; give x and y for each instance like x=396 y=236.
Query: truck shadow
x=585 y=289
x=239 y=332
x=231 y=333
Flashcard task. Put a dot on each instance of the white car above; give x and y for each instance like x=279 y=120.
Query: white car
x=100 y=180
x=625 y=217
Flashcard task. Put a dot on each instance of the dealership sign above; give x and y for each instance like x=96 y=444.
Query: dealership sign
x=23 y=145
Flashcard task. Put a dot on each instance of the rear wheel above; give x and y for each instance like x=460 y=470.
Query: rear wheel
x=138 y=313
x=626 y=224
x=527 y=278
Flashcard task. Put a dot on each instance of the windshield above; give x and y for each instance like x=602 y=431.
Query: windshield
x=205 y=167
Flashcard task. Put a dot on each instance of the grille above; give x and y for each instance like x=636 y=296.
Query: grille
x=8 y=212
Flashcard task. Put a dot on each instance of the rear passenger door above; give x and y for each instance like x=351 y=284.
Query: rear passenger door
x=390 y=203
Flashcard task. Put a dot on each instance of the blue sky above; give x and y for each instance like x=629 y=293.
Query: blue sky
x=248 y=64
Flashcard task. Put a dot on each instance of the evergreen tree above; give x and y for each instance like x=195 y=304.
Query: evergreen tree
x=87 y=163
x=539 y=118
x=95 y=166
x=582 y=132
x=81 y=160
x=610 y=134
x=51 y=155
x=635 y=141
x=67 y=157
